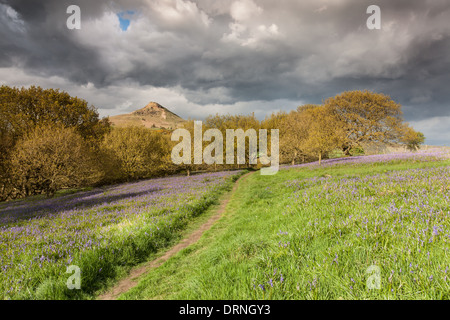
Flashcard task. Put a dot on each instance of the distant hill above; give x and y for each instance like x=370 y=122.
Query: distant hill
x=153 y=115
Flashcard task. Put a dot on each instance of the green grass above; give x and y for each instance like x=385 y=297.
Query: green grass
x=313 y=234
x=193 y=225
x=118 y=235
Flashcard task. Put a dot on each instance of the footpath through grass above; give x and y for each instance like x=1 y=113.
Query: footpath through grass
x=313 y=233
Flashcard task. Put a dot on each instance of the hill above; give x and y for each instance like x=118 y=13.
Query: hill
x=153 y=115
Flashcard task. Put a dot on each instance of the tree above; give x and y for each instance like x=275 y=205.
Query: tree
x=189 y=167
x=366 y=117
x=22 y=110
x=244 y=122
x=324 y=133
x=139 y=152
x=412 y=139
x=296 y=129
x=291 y=133
x=50 y=158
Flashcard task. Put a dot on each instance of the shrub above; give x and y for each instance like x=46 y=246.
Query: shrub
x=137 y=152
x=51 y=158
x=357 y=151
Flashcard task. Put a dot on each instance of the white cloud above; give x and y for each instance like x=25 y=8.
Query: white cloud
x=435 y=129
x=15 y=22
x=273 y=29
x=250 y=36
x=180 y=11
x=243 y=10
x=237 y=30
x=127 y=96
x=321 y=9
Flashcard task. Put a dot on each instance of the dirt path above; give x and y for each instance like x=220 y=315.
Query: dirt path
x=133 y=278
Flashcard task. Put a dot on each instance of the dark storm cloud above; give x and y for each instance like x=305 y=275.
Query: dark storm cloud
x=42 y=45
x=243 y=50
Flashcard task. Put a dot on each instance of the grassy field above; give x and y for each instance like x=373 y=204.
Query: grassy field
x=308 y=232
x=103 y=231
x=322 y=232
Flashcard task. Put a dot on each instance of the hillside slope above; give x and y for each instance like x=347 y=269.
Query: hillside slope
x=153 y=115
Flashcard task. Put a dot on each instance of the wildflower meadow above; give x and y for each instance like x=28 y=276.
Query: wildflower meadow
x=97 y=231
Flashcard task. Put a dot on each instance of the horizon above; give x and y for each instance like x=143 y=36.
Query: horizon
x=199 y=58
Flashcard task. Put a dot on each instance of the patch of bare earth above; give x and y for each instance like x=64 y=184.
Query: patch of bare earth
x=133 y=278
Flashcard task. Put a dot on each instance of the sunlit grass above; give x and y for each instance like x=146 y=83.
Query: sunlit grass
x=313 y=232
x=103 y=231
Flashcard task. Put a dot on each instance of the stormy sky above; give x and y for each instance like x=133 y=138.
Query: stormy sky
x=233 y=56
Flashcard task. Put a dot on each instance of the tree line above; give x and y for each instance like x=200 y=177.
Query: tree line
x=51 y=141
x=347 y=123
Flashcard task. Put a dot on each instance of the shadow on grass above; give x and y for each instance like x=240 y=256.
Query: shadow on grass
x=21 y=210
